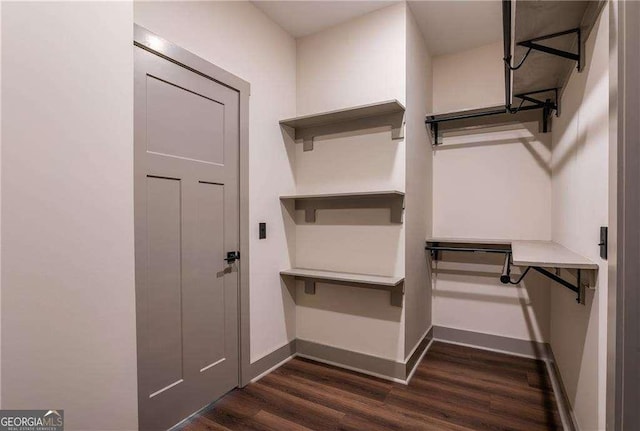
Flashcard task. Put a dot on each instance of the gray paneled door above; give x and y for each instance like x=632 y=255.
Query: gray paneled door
x=186 y=219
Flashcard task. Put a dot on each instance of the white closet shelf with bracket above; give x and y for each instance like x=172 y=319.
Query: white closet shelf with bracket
x=395 y=285
x=310 y=203
x=387 y=113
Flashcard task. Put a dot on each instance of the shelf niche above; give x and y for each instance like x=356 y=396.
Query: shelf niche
x=388 y=113
x=394 y=200
x=395 y=285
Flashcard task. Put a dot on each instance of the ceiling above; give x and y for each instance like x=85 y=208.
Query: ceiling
x=448 y=26
x=458 y=25
x=302 y=18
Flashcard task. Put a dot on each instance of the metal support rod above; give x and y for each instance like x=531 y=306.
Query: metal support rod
x=549 y=50
x=546 y=111
x=468 y=249
x=434 y=129
x=505 y=277
x=432 y=119
x=506 y=36
x=531 y=44
x=552 y=35
x=546 y=90
x=577 y=289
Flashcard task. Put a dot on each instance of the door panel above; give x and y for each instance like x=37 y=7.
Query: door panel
x=164 y=317
x=176 y=115
x=208 y=313
x=187 y=218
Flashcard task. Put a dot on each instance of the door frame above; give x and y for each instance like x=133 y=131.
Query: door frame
x=149 y=41
x=624 y=214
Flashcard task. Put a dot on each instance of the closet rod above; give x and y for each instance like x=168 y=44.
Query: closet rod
x=467 y=249
x=433 y=119
x=506 y=36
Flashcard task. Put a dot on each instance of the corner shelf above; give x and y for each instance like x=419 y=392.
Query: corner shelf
x=388 y=113
x=536 y=255
x=393 y=199
x=549 y=40
x=562 y=27
x=312 y=276
x=548 y=254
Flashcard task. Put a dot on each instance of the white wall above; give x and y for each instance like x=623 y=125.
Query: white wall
x=359 y=62
x=68 y=294
x=463 y=71
x=354 y=63
x=418 y=198
x=580 y=164
x=238 y=37
x=488 y=183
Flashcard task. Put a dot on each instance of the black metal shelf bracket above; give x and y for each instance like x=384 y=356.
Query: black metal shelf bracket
x=577 y=288
x=577 y=57
x=548 y=103
x=505 y=278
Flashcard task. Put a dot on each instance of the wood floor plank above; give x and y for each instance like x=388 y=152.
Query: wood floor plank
x=356 y=407
x=455 y=388
x=277 y=423
x=460 y=413
x=525 y=393
x=201 y=423
x=479 y=397
x=301 y=411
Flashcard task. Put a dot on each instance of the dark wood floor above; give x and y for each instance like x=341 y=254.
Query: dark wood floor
x=455 y=388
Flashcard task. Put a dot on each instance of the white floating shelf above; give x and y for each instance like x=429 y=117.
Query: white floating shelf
x=387 y=113
x=310 y=203
x=445 y=240
x=312 y=276
x=547 y=254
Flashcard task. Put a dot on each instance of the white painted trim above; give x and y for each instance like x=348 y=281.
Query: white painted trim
x=418 y=345
x=286 y=343
x=275 y=367
x=475 y=346
x=567 y=417
x=347 y=367
x=415 y=367
x=351 y=351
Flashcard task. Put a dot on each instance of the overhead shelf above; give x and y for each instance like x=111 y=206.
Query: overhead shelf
x=540 y=51
x=310 y=203
x=313 y=276
x=536 y=255
x=388 y=113
x=554 y=33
